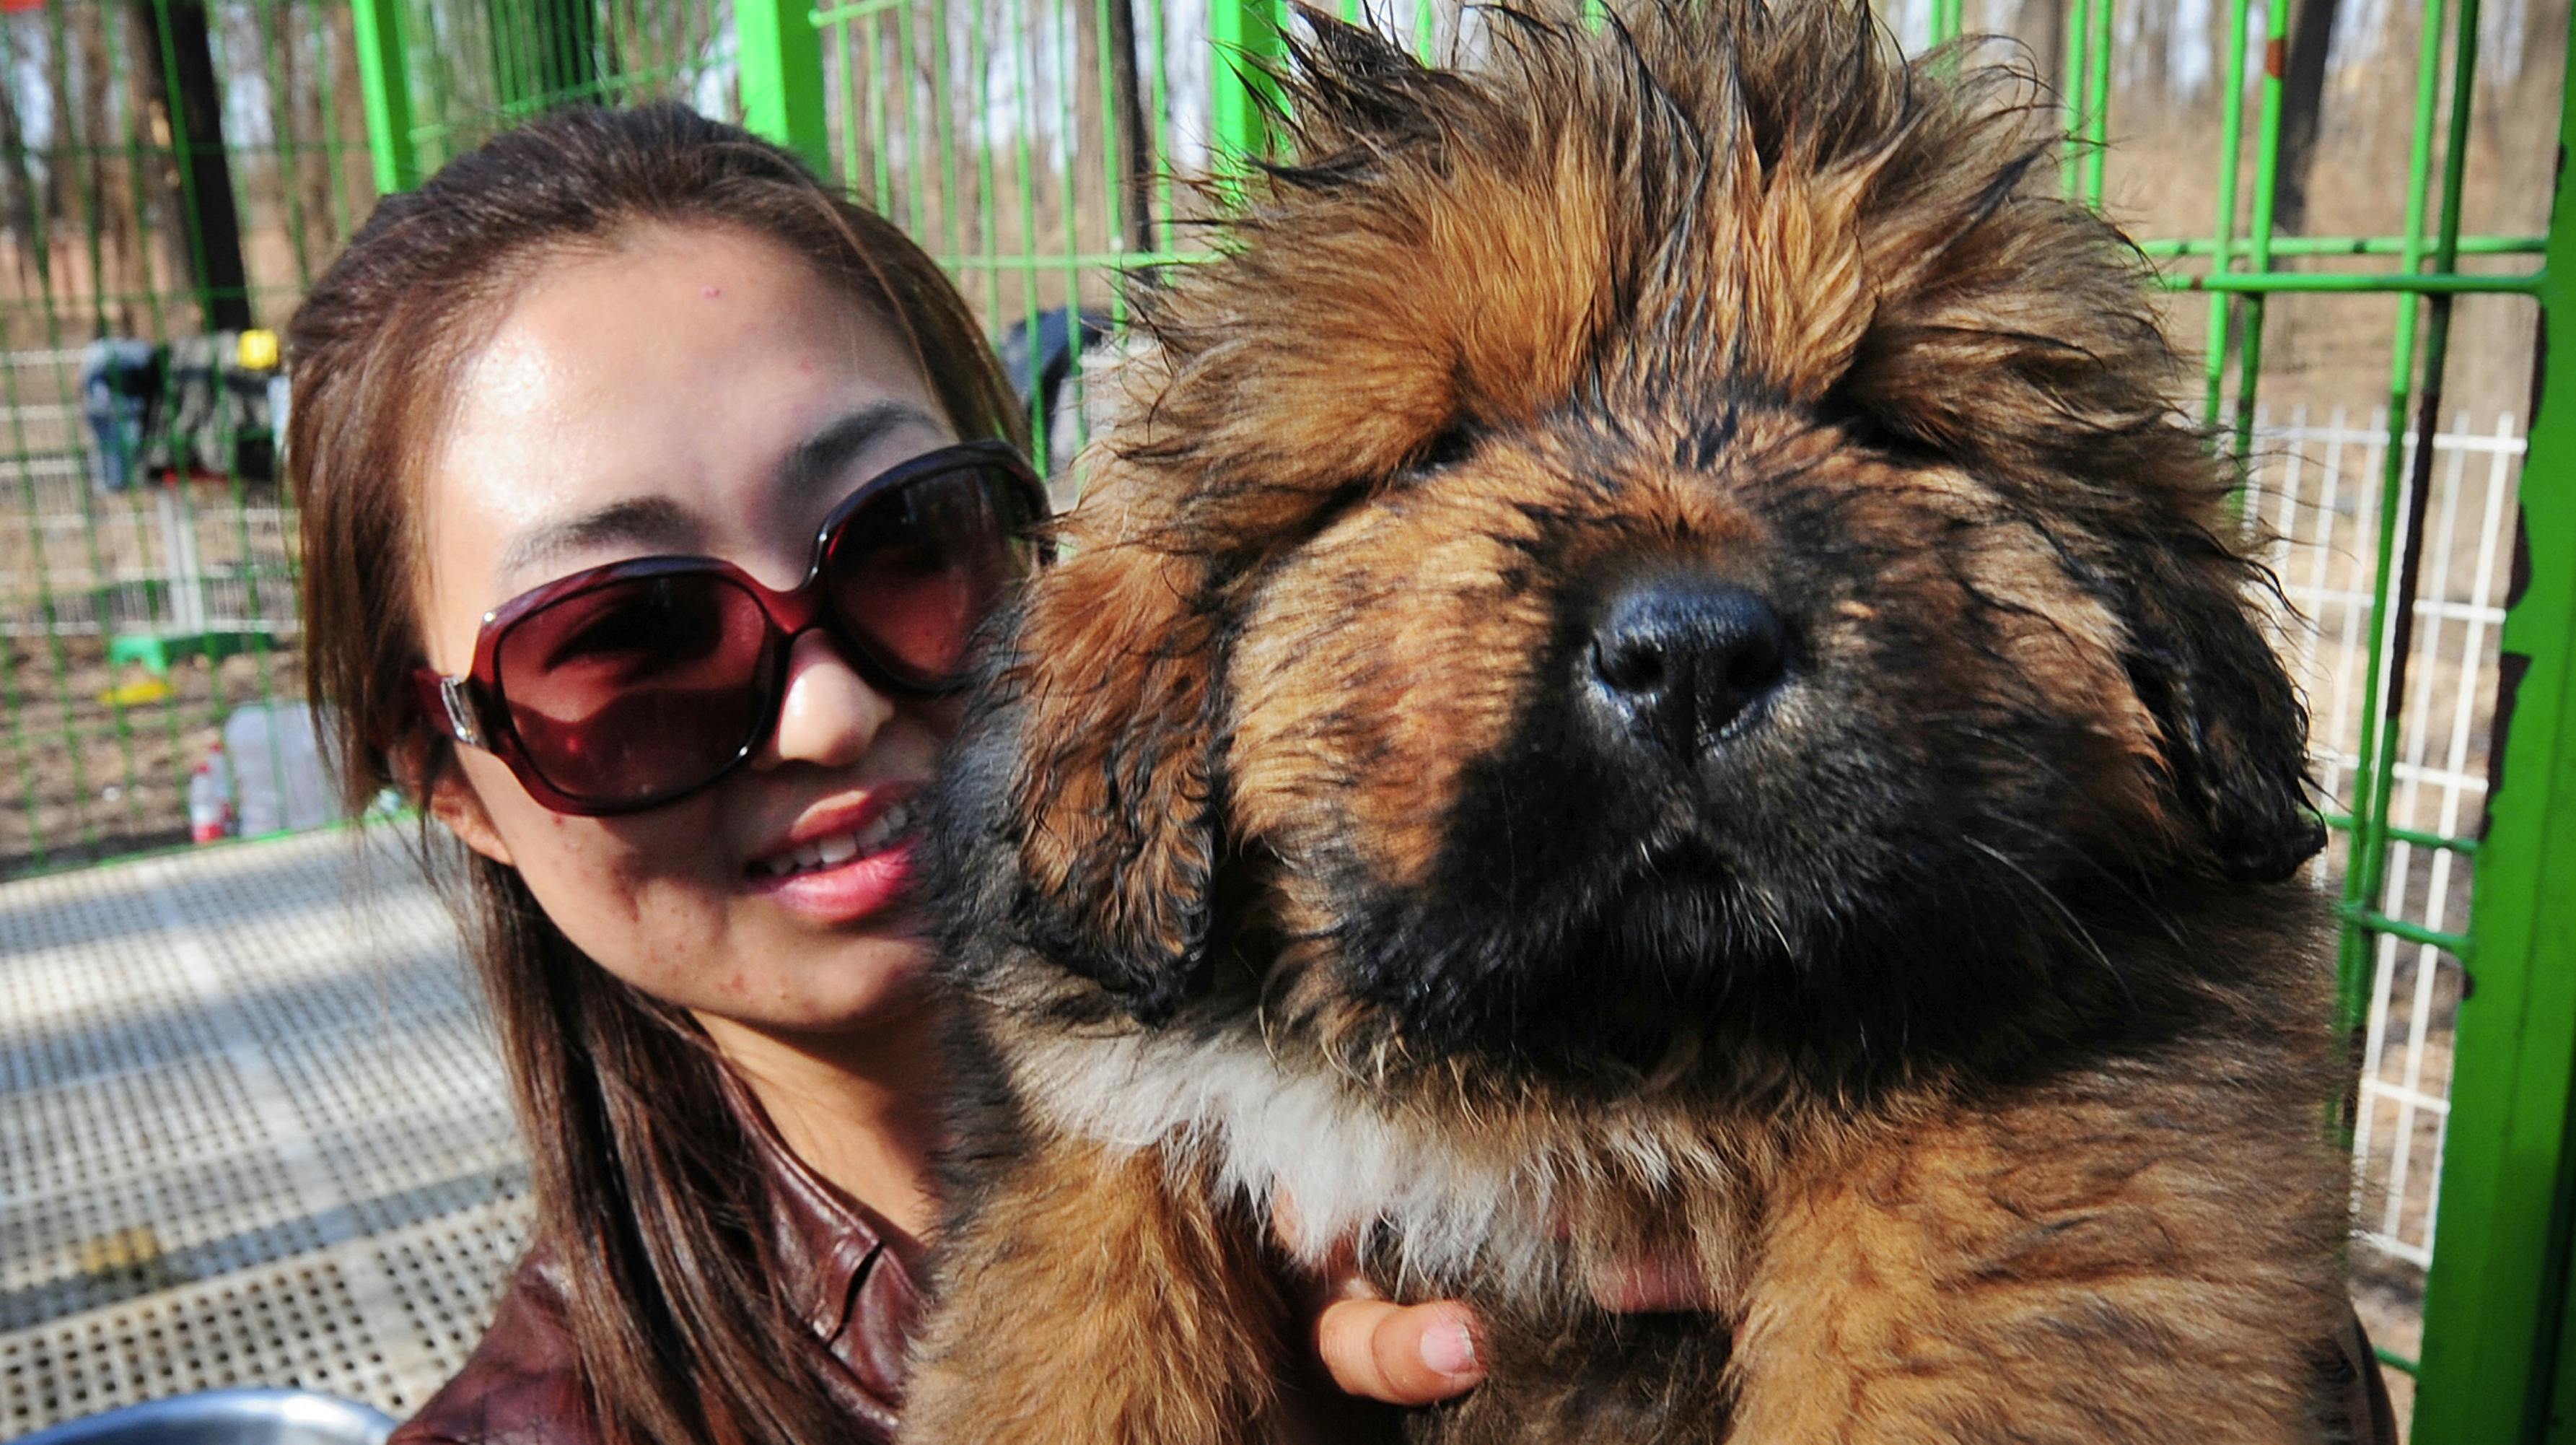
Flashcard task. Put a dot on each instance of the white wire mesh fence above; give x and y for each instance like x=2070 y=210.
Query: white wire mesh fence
x=2318 y=488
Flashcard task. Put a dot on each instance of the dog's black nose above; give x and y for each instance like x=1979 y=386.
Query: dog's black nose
x=1679 y=659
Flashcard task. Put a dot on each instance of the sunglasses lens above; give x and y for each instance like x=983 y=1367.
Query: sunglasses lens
x=913 y=570
x=639 y=689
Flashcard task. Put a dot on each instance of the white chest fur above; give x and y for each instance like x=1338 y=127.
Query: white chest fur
x=1344 y=1161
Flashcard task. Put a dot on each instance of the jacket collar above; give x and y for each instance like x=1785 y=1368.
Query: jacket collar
x=827 y=1243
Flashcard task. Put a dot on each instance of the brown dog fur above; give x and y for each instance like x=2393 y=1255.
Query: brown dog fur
x=1944 y=1003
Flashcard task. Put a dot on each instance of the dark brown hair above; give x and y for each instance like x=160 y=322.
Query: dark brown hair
x=645 y=1182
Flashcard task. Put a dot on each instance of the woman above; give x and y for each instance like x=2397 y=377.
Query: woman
x=590 y=350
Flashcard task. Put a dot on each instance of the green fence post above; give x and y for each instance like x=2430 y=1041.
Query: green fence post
x=387 y=87
x=782 y=76
x=1244 y=36
x=2494 y=1304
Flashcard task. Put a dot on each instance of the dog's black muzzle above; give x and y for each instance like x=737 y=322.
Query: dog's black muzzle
x=1677 y=664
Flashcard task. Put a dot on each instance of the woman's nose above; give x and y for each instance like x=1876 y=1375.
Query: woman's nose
x=829 y=715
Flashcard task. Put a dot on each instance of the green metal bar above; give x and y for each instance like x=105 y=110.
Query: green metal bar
x=2363 y=870
x=2222 y=239
x=1068 y=194
x=2352 y=246
x=2395 y=1361
x=2414 y=836
x=782 y=77
x=1244 y=36
x=2367 y=921
x=2079 y=34
x=2097 y=124
x=2369 y=856
x=2384 y=283
x=2498 y=1295
x=1158 y=105
x=842 y=14
x=2267 y=170
x=387 y=89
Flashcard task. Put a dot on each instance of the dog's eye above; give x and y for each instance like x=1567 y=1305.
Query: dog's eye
x=1868 y=427
x=1446 y=450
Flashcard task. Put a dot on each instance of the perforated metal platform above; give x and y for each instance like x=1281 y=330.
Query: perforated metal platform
x=252 y=1131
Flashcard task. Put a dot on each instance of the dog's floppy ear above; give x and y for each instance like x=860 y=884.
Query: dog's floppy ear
x=2234 y=732
x=1078 y=813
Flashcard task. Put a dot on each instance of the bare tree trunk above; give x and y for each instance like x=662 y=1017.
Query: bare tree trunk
x=288 y=88
x=2303 y=88
x=1135 y=148
x=121 y=269
x=208 y=242
x=163 y=206
x=58 y=103
x=17 y=187
x=2041 y=24
x=340 y=62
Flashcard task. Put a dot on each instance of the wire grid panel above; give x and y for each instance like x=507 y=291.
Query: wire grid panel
x=256 y=1132
x=2316 y=489
x=123 y=216
x=477 y=67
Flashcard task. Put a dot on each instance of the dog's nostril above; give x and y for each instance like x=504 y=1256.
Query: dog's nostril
x=1760 y=659
x=1681 y=658
x=1630 y=664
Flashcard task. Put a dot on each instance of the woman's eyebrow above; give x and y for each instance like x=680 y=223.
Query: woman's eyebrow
x=655 y=524
x=821 y=457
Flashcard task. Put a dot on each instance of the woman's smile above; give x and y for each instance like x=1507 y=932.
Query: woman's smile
x=847 y=859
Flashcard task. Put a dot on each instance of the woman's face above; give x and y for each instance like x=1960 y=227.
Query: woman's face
x=674 y=395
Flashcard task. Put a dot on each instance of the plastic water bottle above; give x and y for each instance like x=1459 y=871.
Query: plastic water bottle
x=210 y=797
x=281 y=781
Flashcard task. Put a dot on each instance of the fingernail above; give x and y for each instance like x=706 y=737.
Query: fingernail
x=1450 y=1350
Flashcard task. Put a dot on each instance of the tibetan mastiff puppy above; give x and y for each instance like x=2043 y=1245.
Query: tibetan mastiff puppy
x=1648 y=669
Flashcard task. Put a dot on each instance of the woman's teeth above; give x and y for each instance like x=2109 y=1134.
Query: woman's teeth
x=841 y=847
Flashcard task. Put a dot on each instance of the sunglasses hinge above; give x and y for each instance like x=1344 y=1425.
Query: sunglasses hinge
x=460 y=711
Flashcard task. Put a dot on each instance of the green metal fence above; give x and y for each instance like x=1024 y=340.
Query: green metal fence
x=167 y=171
x=2364 y=208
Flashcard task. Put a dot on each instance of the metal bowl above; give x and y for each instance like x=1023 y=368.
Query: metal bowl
x=227 y=1417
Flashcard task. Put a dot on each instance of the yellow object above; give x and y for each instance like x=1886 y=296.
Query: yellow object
x=136 y=693
x=258 y=350
x=134 y=1249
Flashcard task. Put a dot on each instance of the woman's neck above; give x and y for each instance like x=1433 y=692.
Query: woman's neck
x=855 y=1106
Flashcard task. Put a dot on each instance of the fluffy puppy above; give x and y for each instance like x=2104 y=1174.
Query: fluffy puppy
x=1649 y=671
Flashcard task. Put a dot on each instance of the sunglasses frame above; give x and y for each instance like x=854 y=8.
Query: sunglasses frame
x=474 y=709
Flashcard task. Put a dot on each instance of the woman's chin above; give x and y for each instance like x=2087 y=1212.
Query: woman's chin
x=865 y=984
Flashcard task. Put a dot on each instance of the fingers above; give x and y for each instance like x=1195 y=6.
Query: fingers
x=1399 y=1354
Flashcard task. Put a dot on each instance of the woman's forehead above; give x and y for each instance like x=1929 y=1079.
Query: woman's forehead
x=667 y=382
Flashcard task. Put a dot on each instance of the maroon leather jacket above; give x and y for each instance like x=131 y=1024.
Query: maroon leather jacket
x=521 y=1386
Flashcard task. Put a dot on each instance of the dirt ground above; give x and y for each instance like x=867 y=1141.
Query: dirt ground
x=84 y=778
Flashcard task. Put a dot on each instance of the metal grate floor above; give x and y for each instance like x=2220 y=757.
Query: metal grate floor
x=251 y=1132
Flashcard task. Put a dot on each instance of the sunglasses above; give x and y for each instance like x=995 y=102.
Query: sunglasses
x=628 y=686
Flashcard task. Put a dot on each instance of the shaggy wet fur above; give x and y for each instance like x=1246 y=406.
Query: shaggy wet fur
x=1648 y=670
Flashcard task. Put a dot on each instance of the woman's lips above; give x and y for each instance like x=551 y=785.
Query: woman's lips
x=847 y=891
x=845 y=864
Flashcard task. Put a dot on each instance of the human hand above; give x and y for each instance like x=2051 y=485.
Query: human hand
x=1423 y=1354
